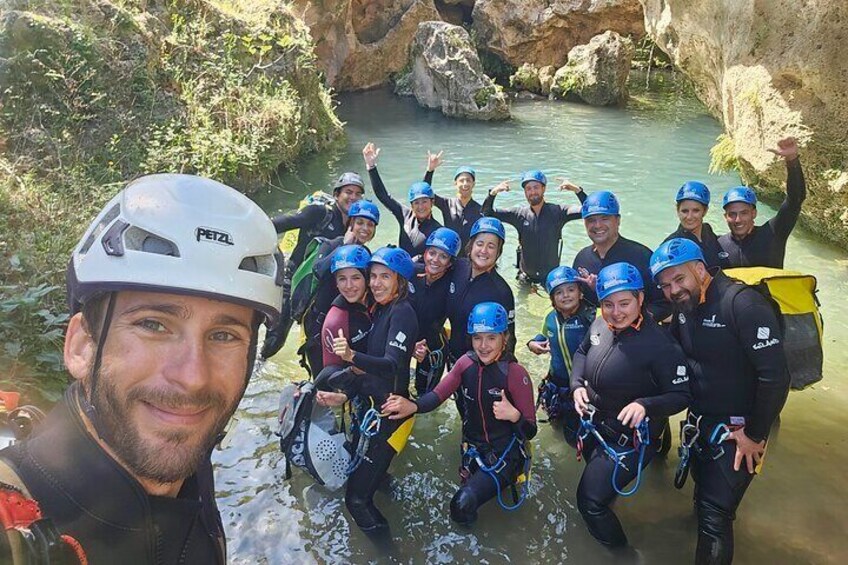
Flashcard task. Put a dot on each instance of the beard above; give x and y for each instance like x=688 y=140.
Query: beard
x=686 y=303
x=171 y=455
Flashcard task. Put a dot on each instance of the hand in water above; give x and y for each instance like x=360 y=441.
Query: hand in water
x=504 y=410
x=421 y=350
x=501 y=187
x=786 y=148
x=581 y=400
x=330 y=399
x=632 y=415
x=342 y=348
x=434 y=161
x=747 y=449
x=370 y=153
x=398 y=407
x=539 y=347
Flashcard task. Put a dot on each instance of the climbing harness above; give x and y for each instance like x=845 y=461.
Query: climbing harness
x=549 y=395
x=471 y=453
x=368 y=428
x=690 y=431
x=641 y=440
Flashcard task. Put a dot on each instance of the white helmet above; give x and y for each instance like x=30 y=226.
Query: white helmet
x=180 y=234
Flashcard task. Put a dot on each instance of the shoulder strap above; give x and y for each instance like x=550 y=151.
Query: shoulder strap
x=9 y=476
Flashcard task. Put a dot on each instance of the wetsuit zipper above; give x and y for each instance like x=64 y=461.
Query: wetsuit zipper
x=597 y=373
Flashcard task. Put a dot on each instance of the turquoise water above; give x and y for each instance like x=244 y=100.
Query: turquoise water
x=794 y=513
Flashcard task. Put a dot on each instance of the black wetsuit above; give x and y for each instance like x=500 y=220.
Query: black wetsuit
x=713 y=254
x=480 y=386
x=641 y=365
x=765 y=246
x=430 y=304
x=739 y=377
x=314 y=220
x=91 y=497
x=539 y=235
x=464 y=293
x=391 y=342
x=413 y=234
x=628 y=251
x=455 y=216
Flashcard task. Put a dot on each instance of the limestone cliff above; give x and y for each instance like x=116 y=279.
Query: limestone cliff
x=769 y=69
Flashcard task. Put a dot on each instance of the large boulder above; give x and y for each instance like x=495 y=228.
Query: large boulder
x=543 y=31
x=768 y=70
x=596 y=73
x=360 y=44
x=447 y=75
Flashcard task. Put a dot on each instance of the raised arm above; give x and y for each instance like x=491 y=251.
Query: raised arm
x=796 y=188
x=370 y=153
x=507 y=216
x=307 y=216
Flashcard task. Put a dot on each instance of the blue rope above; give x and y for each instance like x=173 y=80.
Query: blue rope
x=368 y=428
x=642 y=440
x=492 y=472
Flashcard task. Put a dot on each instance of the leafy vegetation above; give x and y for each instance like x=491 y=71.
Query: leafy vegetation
x=96 y=92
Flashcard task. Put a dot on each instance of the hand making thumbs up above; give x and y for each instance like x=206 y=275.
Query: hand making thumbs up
x=342 y=348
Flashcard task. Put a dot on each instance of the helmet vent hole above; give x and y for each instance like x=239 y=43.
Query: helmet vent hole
x=261 y=264
x=108 y=218
x=137 y=239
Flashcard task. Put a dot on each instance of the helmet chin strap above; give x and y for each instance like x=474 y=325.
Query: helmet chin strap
x=87 y=403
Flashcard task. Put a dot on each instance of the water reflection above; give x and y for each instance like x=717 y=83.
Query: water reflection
x=795 y=512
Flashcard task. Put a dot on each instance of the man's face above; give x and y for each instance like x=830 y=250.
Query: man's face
x=347 y=195
x=534 y=192
x=464 y=184
x=602 y=229
x=173 y=373
x=681 y=285
x=740 y=218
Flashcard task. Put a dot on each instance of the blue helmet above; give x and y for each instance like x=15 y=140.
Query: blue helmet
x=561 y=276
x=465 y=169
x=364 y=209
x=420 y=189
x=617 y=277
x=395 y=259
x=529 y=176
x=445 y=239
x=488 y=318
x=675 y=252
x=739 y=194
x=487 y=224
x=600 y=203
x=349 y=257
x=694 y=190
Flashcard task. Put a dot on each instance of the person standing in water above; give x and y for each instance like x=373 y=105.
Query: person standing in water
x=500 y=418
x=461 y=211
x=416 y=221
x=539 y=224
x=733 y=341
x=563 y=331
x=628 y=377
x=749 y=245
x=429 y=297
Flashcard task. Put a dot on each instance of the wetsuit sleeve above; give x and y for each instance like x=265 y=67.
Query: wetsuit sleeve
x=508 y=302
x=386 y=366
x=307 y=216
x=336 y=319
x=395 y=207
x=573 y=212
x=428 y=177
x=671 y=375
x=446 y=387
x=521 y=392
x=796 y=192
x=760 y=336
x=507 y=216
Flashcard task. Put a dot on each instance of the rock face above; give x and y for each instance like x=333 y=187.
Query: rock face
x=446 y=74
x=543 y=31
x=596 y=73
x=361 y=43
x=768 y=70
